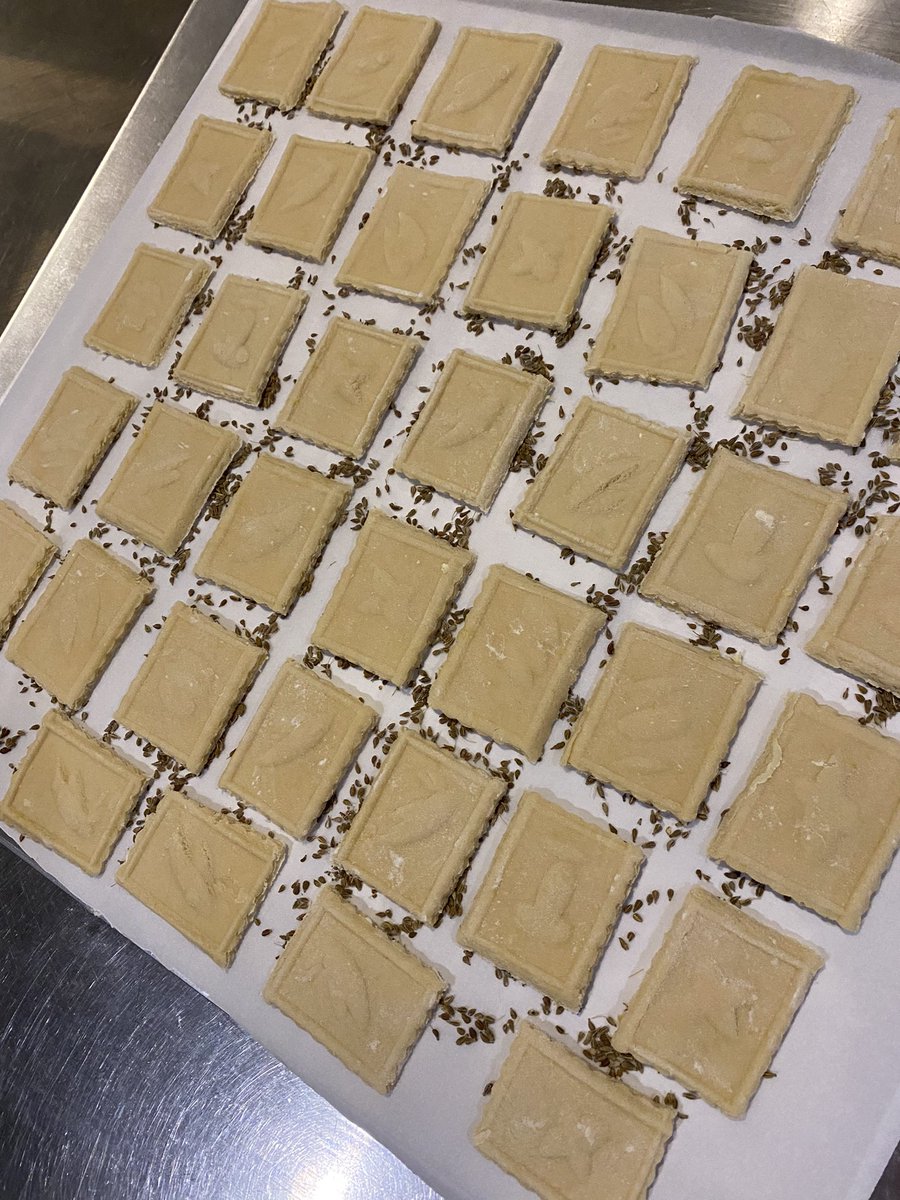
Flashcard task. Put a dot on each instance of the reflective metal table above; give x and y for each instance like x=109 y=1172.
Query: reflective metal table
x=116 y=1078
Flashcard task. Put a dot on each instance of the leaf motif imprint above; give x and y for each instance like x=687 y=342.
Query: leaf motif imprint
x=459 y=429
x=534 y=258
x=475 y=87
x=384 y=586
x=414 y=822
x=201 y=174
x=263 y=533
x=405 y=244
x=339 y=977
x=618 y=110
x=192 y=872
x=230 y=348
x=545 y=915
x=158 y=472
x=70 y=798
x=184 y=684
x=655 y=326
x=77 y=623
x=142 y=301
x=658 y=709
x=293 y=746
x=768 y=126
x=742 y=560
x=311 y=189
x=596 y=482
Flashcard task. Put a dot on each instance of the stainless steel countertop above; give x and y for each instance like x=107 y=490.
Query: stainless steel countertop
x=117 y=1079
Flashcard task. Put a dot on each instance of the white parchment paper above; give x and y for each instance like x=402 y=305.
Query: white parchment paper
x=825 y=1125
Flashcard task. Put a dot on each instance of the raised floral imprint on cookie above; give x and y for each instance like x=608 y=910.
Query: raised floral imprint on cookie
x=193 y=874
x=341 y=985
x=292 y=747
x=140 y=303
x=453 y=430
x=762 y=132
x=230 y=347
x=545 y=915
x=535 y=259
x=311 y=189
x=595 y=481
x=158 y=473
x=752 y=536
x=69 y=796
x=202 y=173
x=662 y=319
x=618 y=110
x=184 y=683
x=474 y=88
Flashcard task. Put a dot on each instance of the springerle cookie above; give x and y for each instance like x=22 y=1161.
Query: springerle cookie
x=363 y=996
x=82 y=419
x=24 y=554
x=202 y=871
x=551 y=896
x=869 y=223
x=78 y=621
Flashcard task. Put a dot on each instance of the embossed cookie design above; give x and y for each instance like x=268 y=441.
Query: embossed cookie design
x=764 y=148
x=25 y=555
x=744 y=547
x=870 y=223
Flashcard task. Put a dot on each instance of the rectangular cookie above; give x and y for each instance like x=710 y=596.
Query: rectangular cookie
x=24 y=554
x=148 y=305
x=618 y=113
x=297 y=748
x=241 y=338
x=82 y=419
x=413 y=234
x=604 y=478
x=72 y=793
x=869 y=225
x=307 y=200
x=763 y=150
x=485 y=89
x=370 y=73
x=78 y=621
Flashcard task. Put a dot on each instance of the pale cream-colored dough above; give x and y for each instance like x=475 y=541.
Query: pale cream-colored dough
x=297 y=748
x=474 y=421
x=393 y=594
x=362 y=996
x=717 y=999
x=604 y=478
x=240 y=339
x=870 y=224
x=271 y=534
x=518 y=652
x=73 y=793
x=203 y=871
x=371 y=71
x=78 y=621
x=351 y=379
x=538 y=259
x=215 y=167
x=419 y=824
x=551 y=897
x=82 y=419
x=485 y=89
x=859 y=633
x=661 y=719
x=744 y=547
x=188 y=686
x=672 y=310
x=565 y=1129
x=148 y=305
x=308 y=198
x=819 y=818
x=24 y=554
x=413 y=234
x=277 y=58
x=764 y=148
x=166 y=476
x=823 y=369
x=618 y=112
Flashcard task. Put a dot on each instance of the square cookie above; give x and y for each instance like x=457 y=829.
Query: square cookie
x=350 y=381
x=277 y=58
x=240 y=339
x=413 y=234
x=471 y=427
x=82 y=419
x=212 y=172
x=391 y=598
x=307 y=201
x=618 y=112
x=550 y=899
x=606 y=475
x=362 y=996
x=272 y=532
x=834 y=345
x=565 y=1129
x=166 y=476
x=368 y=76
x=24 y=555
x=765 y=147
x=419 y=825
x=859 y=631
x=78 y=621
x=485 y=90
x=716 y=1001
x=744 y=547
x=73 y=793
x=201 y=870
x=869 y=223
x=188 y=686
x=538 y=260
x=661 y=719
x=672 y=311
x=297 y=748
x=819 y=817
x=519 y=651
x=148 y=306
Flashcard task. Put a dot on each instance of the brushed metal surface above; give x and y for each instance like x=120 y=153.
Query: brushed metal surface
x=117 y=1079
